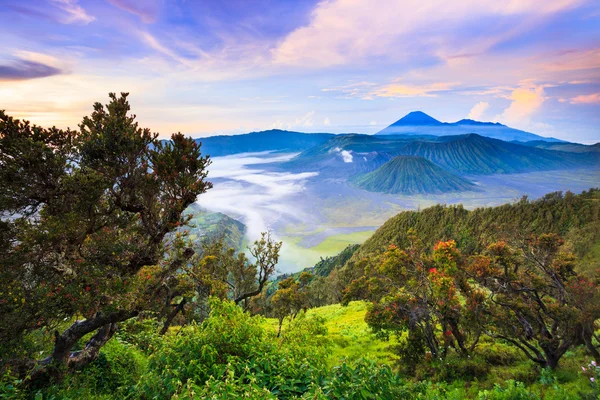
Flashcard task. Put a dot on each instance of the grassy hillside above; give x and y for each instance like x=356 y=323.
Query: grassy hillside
x=554 y=213
x=411 y=175
x=206 y=225
x=350 y=335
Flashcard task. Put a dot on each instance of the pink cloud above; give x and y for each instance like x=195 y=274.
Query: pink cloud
x=593 y=98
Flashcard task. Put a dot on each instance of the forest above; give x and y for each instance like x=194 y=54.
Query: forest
x=104 y=293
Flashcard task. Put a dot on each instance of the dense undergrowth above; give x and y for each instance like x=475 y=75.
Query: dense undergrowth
x=325 y=353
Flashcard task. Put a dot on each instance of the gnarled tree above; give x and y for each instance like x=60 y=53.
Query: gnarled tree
x=538 y=302
x=84 y=217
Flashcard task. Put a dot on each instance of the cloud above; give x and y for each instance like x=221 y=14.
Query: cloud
x=267 y=195
x=395 y=89
x=74 y=12
x=346 y=155
x=593 y=98
x=478 y=109
x=30 y=65
x=146 y=10
x=373 y=123
x=525 y=101
x=571 y=60
x=343 y=31
x=306 y=120
x=355 y=89
x=326 y=121
x=399 y=89
x=155 y=44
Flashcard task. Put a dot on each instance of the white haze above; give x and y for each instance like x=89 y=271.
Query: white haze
x=256 y=197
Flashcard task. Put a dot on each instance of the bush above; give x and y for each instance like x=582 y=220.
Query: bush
x=512 y=390
x=114 y=374
x=455 y=367
x=362 y=380
x=231 y=349
x=497 y=354
x=142 y=333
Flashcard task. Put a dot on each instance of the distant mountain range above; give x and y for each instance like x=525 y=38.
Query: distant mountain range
x=415 y=155
x=471 y=154
x=271 y=140
x=563 y=146
x=417 y=122
x=411 y=175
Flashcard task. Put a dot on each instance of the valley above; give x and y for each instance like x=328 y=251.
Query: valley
x=317 y=216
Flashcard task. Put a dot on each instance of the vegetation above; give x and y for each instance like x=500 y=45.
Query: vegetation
x=104 y=295
x=208 y=226
x=86 y=243
x=411 y=175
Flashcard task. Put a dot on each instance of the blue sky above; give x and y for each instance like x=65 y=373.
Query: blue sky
x=233 y=66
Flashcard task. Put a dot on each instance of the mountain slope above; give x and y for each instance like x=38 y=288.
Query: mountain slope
x=272 y=140
x=565 y=214
x=416 y=118
x=206 y=225
x=475 y=154
x=346 y=155
x=565 y=146
x=411 y=175
x=418 y=122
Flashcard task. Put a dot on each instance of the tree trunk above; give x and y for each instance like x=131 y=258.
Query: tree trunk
x=172 y=316
x=279 y=328
x=587 y=335
x=63 y=358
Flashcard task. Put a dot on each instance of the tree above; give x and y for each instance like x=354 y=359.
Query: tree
x=291 y=297
x=85 y=215
x=537 y=301
x=220 y=272
x=427 y=296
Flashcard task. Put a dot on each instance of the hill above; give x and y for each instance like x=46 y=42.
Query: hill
x=271 y=140
x=475 y=154
x=417 y=122
x=575 y=217
x=206 y=225
x=411 y=175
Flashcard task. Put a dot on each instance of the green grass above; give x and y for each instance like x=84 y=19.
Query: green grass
x=351 y=337
x=332 y=245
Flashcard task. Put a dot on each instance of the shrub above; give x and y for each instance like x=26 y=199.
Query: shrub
x=361 y=380
x=232 y=349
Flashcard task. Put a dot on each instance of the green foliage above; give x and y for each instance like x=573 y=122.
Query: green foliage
x=473 y=230
x=326 y=265
x=114 y=374
x=231 y=344
x=234 y=355
x=362 y=380
x=103 y=198
x=211 y=226
x=512 y=390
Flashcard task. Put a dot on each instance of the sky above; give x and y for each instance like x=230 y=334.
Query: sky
x=234 y=66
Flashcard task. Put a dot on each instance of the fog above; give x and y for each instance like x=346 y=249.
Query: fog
x=257 y=197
